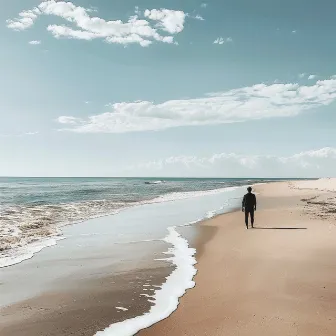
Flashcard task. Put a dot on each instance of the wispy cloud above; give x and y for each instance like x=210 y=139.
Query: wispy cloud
x=34 y=42
x=68 y=120
x=199 y=17
x=25 y=20
x=303 y=75
x=314 y=163
x=294 y=31
x=248 y=103
x=204 y=5
x=18 y=134
x=31 y=133
x=144 y=31
x=221 y=40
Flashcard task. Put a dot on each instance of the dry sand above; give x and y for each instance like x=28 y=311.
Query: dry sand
x=278 y=279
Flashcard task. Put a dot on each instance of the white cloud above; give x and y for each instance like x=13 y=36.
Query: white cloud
x=314 y=163
x=221 y=40
x=199 y=17
x=311 y=76
x=34 y=42
x=18 y=135
x=170 y=21
x=302 y=75
x=31 y=133
x=25 y=20
x=68 y=120
x=294 y=31
x=248 y=103
x=204 y=5
x=136 y=30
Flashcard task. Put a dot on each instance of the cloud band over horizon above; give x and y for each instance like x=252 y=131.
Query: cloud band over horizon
x=314 y=163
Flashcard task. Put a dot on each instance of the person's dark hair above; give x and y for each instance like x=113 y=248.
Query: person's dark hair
x=249 y=189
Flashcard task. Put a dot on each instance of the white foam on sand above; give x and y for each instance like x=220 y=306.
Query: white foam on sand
x=188 y=194
x=165 y=299
x=209 y=214
x=28 y=252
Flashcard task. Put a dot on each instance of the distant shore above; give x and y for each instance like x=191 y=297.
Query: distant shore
x=277 y=279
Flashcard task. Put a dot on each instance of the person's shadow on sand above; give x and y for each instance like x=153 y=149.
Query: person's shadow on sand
x=278 y=228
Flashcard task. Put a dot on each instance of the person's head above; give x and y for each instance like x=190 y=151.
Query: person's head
x=249 y=189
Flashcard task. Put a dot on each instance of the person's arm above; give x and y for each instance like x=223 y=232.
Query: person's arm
x=243 y=203
x=255 y=202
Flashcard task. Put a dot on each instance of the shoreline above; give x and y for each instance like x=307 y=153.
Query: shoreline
x=66 y=303
x=216 y=234
x=28 y=251
x=277 y=279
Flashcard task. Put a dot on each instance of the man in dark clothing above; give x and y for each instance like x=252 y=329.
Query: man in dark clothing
x=249 y=206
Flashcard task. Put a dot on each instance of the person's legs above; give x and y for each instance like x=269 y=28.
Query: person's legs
x=252 y=217
x=246 y=218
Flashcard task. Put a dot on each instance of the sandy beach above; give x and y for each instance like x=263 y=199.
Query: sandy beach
x=277 y=279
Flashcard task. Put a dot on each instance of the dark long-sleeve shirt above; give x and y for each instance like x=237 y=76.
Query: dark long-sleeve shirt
x=249 y=201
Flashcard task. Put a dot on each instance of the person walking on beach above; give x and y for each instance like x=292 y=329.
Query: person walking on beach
x=249 y=206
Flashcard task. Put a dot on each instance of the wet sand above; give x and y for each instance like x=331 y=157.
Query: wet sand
x=86 y=309
x=277 y=279
x=86 y=302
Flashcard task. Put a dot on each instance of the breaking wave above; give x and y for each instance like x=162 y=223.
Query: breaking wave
x=26 y=229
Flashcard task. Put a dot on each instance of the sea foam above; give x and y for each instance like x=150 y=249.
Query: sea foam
x=28 y=252
x=165 y=299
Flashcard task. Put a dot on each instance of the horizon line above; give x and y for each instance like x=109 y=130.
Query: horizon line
x=165 y=177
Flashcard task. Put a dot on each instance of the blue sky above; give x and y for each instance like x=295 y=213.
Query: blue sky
x=82 y=95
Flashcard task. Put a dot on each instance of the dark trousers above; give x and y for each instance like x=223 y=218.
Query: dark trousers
x=247 y=212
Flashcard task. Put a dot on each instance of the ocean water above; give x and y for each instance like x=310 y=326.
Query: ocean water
x=34 y=210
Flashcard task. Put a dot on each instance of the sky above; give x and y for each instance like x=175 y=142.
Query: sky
x=187 y=88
